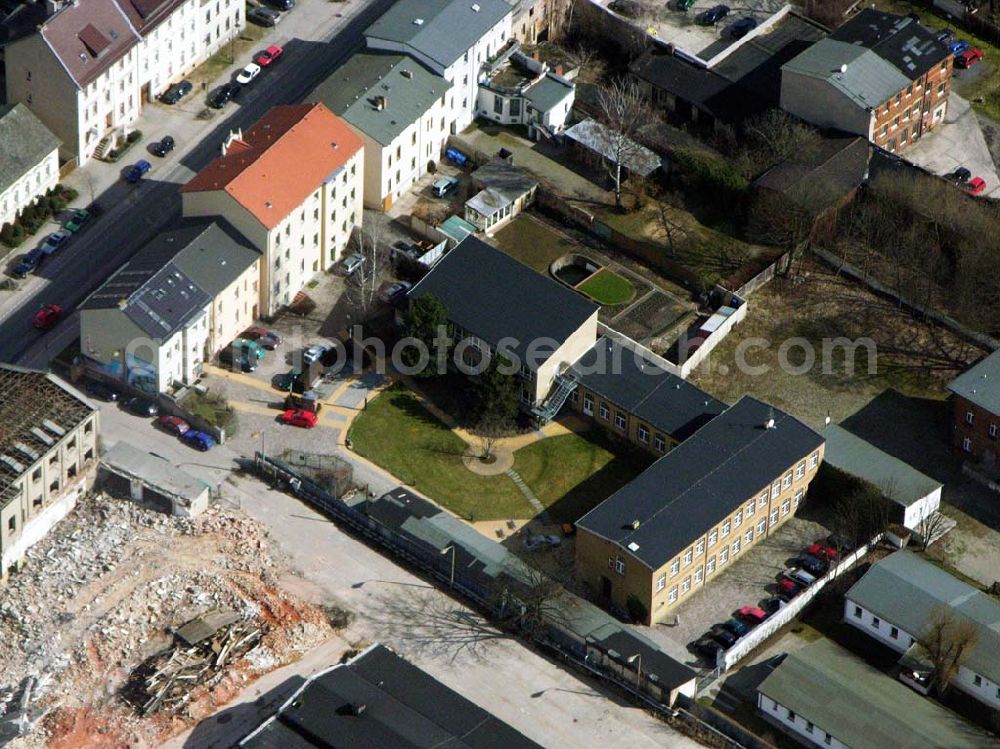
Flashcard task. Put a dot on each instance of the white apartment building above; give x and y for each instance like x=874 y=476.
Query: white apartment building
x=91 y=66
x=453 y=38
x=897 y=598
x=400 y=109
x=178 y=301
x=293 y=186
x=519 y=90
x=48 y=451
x=29 y=160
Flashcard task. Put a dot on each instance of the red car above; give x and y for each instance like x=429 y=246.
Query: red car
x=47 y=316
x=975 y=186
x=969 y=58
x=822 y=551
x=269 y=55
x=752 y=614
x=299 y=418
x=173 y=425
x=789 y=587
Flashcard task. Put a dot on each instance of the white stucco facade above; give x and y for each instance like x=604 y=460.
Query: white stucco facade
x=23 y=191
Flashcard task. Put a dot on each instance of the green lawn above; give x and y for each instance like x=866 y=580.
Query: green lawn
x=568 y=473
x=608 y=288
x=533 y=243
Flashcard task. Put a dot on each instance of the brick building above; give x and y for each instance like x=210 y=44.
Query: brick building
x=976 y=410
x=880 y=75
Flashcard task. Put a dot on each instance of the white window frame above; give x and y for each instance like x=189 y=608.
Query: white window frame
x=643 y=434
x=688 y=557
x=775 y=489
x=969 y=416
x=761 y=527
x=750 y=508
x=686 y=584
x=723 y=555
x=699 y=547
x=735 y=547
x=786 y=506
x=620 y=565
x=713 y=538
x=675 y=567
x=659 y=444
x=967 y=445
x=787 y=480
x=699 y=575
x=748 y=537
x=672 y=595
x=738 y=518
x=725 y=529
x=800 y=470
x=710 y=566
x=774 y=517
x=764 y=496
x=661 y=582
x=814 y=460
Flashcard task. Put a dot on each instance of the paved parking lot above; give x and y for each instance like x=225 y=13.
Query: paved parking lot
x=747 y=582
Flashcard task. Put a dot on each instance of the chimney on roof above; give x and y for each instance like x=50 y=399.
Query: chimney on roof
x=381 y=102
x=406 y=74
x=769 y=424
x=357 y=708
x=634 y=525
x=536 y=56
x=475 y=7
x=558 y=69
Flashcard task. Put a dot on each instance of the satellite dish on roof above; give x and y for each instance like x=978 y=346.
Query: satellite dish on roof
x=843 y=68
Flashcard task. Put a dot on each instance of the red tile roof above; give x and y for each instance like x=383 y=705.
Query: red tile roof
x=88 y=37
x=280 y=161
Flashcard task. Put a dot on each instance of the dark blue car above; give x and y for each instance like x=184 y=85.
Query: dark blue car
x=198 y=440
x=742 y=27
x=737 y=627
x=137 y=170
x=713 y=15
x=29 y=263
x=958 y=46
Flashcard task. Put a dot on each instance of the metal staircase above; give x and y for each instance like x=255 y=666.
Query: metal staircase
x=564 y=385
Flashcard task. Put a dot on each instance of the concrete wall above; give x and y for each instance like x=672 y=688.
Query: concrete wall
x=823 y=105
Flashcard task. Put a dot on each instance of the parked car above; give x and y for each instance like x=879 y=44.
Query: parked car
x=141 y=406
x=262 y=336
x=224 y=94
x=708 y=648
x=629 y=8
x=813 y=565
x=262 y=16
x=77 y=221
x=176 y=92
x=314 y=352
x=47 y=316
x=54 y=241
x=958 y=46
x=822 y=550
x=103 y=391
x=444 y=186
x=287 y=381
x=394 y=291
x=285 y=5
x=165 y=146
x=29 y=263
x=198 y=440
x=298 y=418
x=737 y=627
x=713 y=15
x=352 y=264
x=742 y=27
x=685 y=5
x=270 y=55
x=944 y=35
x=975 y=186
x=789 y=588
x=799 y=575
x=774 y=603
x=173 y=424
x=136 y=172
x=960 y=176
x=249 y=74
x=968 y=58
x=541 y=541
x=752 y=614
x=722 y=636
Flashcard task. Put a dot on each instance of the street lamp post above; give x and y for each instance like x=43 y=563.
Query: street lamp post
x=445 y=550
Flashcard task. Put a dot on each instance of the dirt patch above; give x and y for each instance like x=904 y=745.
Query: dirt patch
x=99 y=596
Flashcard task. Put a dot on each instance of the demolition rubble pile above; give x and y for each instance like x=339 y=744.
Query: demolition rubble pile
x=98 y=600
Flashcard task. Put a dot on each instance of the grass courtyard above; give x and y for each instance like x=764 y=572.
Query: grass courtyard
x=568 y=473
x=608 y=288
x=533 y=243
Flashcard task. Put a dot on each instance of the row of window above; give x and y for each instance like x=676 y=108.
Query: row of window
x=620 y=421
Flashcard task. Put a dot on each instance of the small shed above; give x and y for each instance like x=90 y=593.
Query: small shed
x=593 y=142
x=149 y=479
x=916 y=494
x=505 y=191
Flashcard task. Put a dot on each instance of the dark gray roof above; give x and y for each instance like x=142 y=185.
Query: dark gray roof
x=409 y=89
x=170 y=280
x=159 y=472
x=858 y=73
x=691 y=83
x=643 y=388
x=507 y=179
x=700 y=481
x=861 y=707
x=442 y=30
x=377 y=700
x=907 y=591
x=547 y=92
x=825 y=174
x=901 y=41
x=851 y=454
x=24 y=143
x=980 y=383
x=493 y=296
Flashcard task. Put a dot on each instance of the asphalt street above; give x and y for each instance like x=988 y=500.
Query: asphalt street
x=134 y=214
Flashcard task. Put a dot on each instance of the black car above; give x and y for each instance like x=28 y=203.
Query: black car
x=141 y=406
x=713 y=15
x=960 y=176
x=285 y=5
x=263 y=16
x=813 y=565
x=290 y=381
x=772 y=604
x=944 y=35
x=708 y=648
x=176 y=92
x=224 y=94
x=723 y=636
x=735 y=626
x=102 y=391
x=165 y=146
x=629 y=8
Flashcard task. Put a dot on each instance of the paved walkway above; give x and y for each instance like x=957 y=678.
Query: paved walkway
x=529 y=495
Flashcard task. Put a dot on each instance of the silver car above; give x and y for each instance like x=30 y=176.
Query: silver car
x=352 y=264
x=314 y=352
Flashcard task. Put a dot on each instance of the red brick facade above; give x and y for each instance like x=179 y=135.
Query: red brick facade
x=975 y=432
x=916 y=109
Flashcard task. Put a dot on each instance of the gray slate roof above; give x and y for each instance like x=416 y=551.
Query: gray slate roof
x=861 y=707
x=24 y=143
x=701 y=481
x=899 y=40
x=547 y=93
x=822 y=176
x=507 y=179
x=154 y=470
x=602 y=140
x=906 y=591
x=860 y=458
x=493 y=296
x=643 y=388
x=174 y=277
x=442 y=30
x=980 y=383
x=868 y=79
x=410 y=90
x=404 y=707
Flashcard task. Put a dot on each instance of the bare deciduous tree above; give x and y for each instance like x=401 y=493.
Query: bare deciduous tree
x=624 y=114
x=930 y=528
x=947 y=640
x=528 y=599
x=669 y=221
x=492 y=426
x=363 y=285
